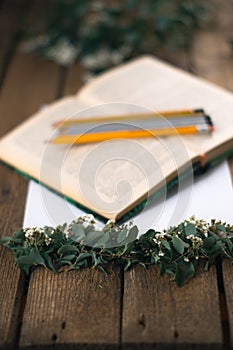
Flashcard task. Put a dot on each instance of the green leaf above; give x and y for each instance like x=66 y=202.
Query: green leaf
x=78 y=232
x=132 y=235
x=83 y=256
x=190 y=229
x=127 y=247
x=221 y=228
x=35 y=255
x=121 y=236
x=209 y=242
x=19 y=236
x=95 y=259
x=58 y=237
x=128 y=265
x=103 y=239
x=25 y=260
x=207 y=265
x=67 y=248
x=189 y=269
x=146 y=236
x=48 y=261
x=154 y=259
x=5 y=240
x=69 y=257
x=101 y=268
x=92 y=236
x=178 y=244
x=143 y=265
x=166 y=244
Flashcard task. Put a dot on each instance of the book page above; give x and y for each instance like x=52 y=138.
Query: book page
x=107 y=177
x=111 y=177
x=156 y=86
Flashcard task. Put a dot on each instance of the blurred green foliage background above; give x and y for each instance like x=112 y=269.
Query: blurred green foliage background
x=101 y=34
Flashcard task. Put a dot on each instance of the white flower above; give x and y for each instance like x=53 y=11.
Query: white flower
x=161 y=236
x=197 y=241
x=186 y=259
x=37 y=235
x=110 y=222
x=161 y=253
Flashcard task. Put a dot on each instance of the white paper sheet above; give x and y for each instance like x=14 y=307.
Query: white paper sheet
x=210 y=196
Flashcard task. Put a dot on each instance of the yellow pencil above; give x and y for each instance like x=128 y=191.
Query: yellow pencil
x=103 y=136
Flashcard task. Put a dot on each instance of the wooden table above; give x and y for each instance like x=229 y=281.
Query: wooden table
x=85 y=309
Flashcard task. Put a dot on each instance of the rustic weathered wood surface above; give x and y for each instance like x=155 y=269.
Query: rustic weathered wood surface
x=85 y=309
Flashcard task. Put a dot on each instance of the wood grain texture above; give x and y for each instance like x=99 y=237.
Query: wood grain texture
x=24 y=89
x=211 y=53
x=30 y=83
x=212 y=59
x=87 y=301
x=74 y=79
x=82 y=309
x=11 y=24
x=228 y=286
x=156 y=311
x=12 y=199
x=74 y=310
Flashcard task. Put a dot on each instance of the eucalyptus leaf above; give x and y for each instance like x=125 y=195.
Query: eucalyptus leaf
x=221 y=228
x=132 y=234
x=69 y=257
x=103 y=239
x=19 y=236
x=128 y=265
x=5 y=240
x=48 y=261
x=171 y=251
x=35 y=255
x=207 y=265
x=166 y=244
x=25 y=260
x=190 y=229
x=189 y=269
x=67 y=248
x=83 y=256
x=122 y=235
x=78 y=232
x=178 y=244
x=92 y=236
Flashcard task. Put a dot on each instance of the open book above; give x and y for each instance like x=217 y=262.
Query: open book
x=112 y=177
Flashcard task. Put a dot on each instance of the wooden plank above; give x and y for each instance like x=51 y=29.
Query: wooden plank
x=156 y=311
x=212 y=59
x=211 y=52
x=87 y=301
x=8 y=27
x=13 y=190
x=71 y=310
x=74 y=79
x=228 y=290
x=31 y=82
x=12 y=16
x=24 y=90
